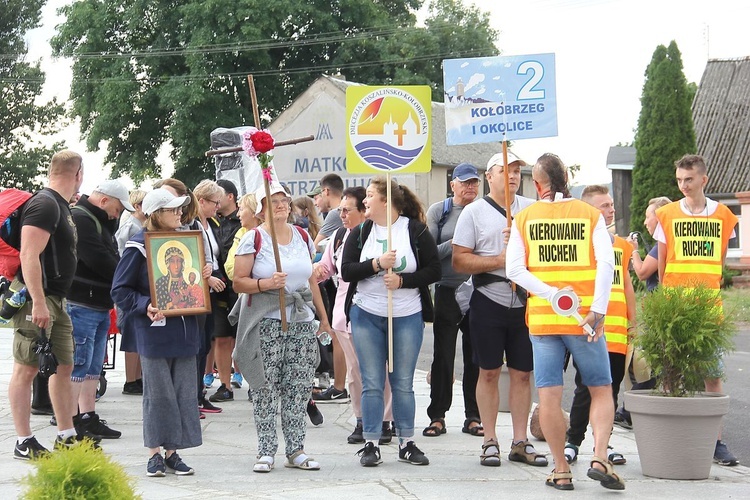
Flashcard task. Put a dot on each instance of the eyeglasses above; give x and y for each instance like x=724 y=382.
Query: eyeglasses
x=469 y=182
x=217 y=203
x=347 y=211
x=175 y=211
x=281 y=201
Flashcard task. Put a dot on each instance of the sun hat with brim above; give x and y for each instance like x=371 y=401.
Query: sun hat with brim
x=161 y=198
x=116 y=189
x=260 y=194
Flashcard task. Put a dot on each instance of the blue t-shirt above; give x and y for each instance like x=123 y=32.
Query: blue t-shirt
x=653 y=281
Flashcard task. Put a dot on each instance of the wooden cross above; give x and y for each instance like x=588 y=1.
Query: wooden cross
x=266 y=185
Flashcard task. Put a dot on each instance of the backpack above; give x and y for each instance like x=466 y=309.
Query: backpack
x=447 y=208
x=259 y=239
x=12 y=204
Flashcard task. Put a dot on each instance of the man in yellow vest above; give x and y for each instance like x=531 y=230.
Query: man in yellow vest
x=563 y=243
x=693 y=235
x=620 y=317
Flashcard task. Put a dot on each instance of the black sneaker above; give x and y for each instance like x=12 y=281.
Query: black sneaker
x=132 y=388
x=369 y=455
x=356 y=436
x=205 y=407
x=176 y=465
x=331 y=395
x=155 y=466
x=413 y=455
x=723 y=456
x=61 y=444
x=98 y=427
x=29 y=449
x=83 y=430
x=386 y=434
x=42 y=410
x=312 y=411
x=623 y=420
x=221 y=395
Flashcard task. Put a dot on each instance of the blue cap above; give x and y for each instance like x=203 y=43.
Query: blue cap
x=465 y=171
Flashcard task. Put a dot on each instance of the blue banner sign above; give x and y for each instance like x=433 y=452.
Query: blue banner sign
x=503 y=98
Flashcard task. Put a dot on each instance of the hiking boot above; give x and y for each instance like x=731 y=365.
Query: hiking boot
x=155 y=466
x=221 y=395
x=132 y=388
x=176 y=465
x=208 y=380
x=622 y=419
x=205 y=407
x=312 y=411
x=413 y=455
x=237 y=380
x=369 y=455
x=356 y=436
x=97 y=427
x=723 y=456
x=29 y=449
x=331 y=395
x=386 y=434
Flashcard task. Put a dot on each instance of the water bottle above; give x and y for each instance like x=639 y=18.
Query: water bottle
x=323 y=336
x=12 y=304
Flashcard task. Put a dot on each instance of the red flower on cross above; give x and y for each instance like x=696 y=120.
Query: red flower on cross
x=257 y=143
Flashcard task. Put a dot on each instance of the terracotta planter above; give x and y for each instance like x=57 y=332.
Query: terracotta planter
x=676 y=437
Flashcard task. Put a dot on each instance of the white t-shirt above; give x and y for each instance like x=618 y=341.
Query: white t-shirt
x=372 y=295
x=296 y=261
x=479 y=228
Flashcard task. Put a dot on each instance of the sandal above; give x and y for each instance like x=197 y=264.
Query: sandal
x=523 y=451
x=554 y=477
x=298 y=460
x=433 y=430
x=263 y=464
x=490 y=458
x=607 y=478
x=615 y=457
x=476 y=430
x=571 y=453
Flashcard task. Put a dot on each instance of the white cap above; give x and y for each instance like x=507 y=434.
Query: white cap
x=260 y=194
x=161 y=198
x=497 y=159
x=116 y=189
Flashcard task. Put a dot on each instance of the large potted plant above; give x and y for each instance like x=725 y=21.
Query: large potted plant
x=683 y=332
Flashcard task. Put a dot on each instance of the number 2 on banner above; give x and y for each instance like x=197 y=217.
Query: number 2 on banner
x=537 y=73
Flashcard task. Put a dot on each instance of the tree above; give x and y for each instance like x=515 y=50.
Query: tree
x=152 y=72
x=23 y=122
x=665 y=131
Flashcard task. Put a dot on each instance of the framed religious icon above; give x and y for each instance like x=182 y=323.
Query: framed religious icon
x=175 y=260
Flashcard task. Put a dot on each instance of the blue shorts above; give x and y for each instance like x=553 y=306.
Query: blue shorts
x=90 y=329
x=591 y=359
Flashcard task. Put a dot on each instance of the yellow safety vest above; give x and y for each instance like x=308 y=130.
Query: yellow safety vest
x=616 y=322
x=560 y=252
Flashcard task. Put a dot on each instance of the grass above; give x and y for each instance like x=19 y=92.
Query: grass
x=737 y=305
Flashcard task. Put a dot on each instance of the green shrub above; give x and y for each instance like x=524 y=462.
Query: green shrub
x=682 y=335
x=78 y=472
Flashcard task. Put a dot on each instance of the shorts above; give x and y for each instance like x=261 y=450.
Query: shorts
x=499 y=335
x=60 y=332
x=222 y=327
x=90 y=331
x=591 y=359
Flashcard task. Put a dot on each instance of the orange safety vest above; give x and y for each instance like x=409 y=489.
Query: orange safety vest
x=616 y=321
x=695 y=244
x=560 y=252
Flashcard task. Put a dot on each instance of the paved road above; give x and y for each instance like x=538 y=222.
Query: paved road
x=737 y=386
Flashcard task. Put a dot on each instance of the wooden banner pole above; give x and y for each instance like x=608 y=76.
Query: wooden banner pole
x=389 y=222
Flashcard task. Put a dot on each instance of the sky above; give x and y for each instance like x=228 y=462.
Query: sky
x=601 y=47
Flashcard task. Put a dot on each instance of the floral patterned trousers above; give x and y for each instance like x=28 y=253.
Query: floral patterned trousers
x=289 y=360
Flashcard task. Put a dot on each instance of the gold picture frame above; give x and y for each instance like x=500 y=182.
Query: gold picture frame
x=175 y=261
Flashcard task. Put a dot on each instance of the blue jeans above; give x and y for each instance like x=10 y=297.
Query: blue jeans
x=90 y=329
x=591 y=358
x=370 y=334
